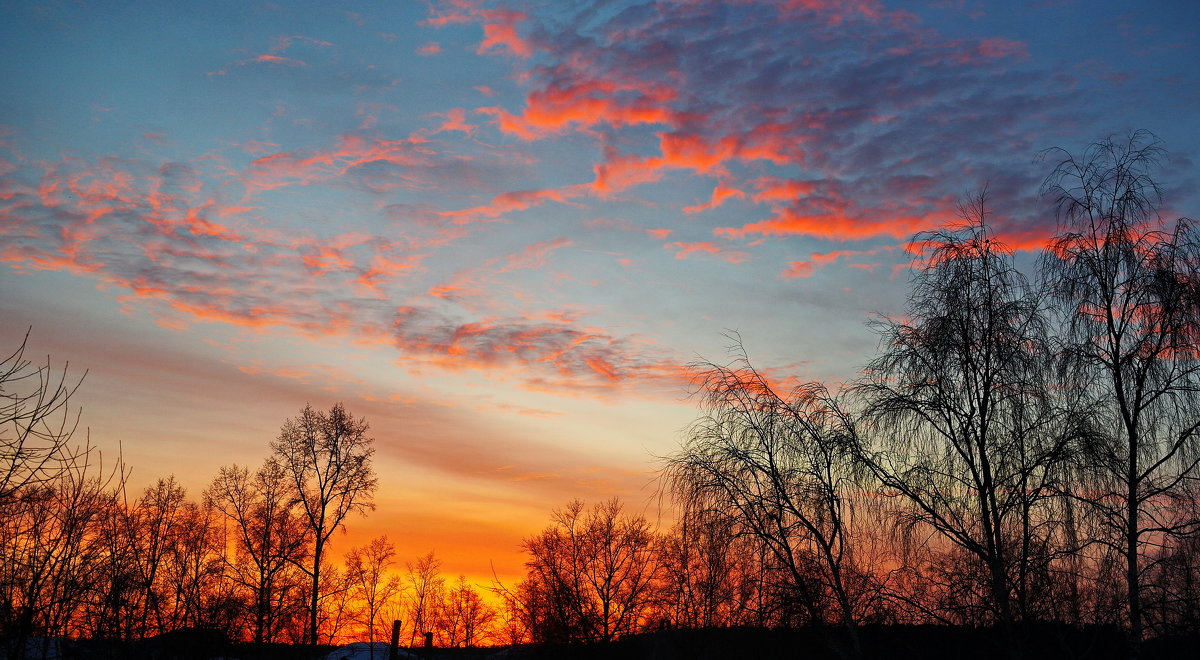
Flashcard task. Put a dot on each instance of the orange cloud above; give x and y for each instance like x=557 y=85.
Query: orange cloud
x=349 y=152
x=456 y=120
x=841 y=224
x=773 y=189
x=500 y=30
x=818 y=260
x=685 y=250
x=517 y=200
x=703 y=154
x=467 y=283
x=617 y=173
x=721 y=193
x=534 y=256
x=276 y=59
x=499 y=25
x=563 y=354
x=584 y=103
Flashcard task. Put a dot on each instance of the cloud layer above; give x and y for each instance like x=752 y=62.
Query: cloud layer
x=495 y=229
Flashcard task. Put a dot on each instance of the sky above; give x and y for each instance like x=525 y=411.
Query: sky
x=502 y=231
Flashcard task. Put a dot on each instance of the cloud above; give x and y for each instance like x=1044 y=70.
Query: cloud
x=818 y=260
x=276 y=55
x=350 y=155
x=477 y=282
x=168 y=239
x=276 y=59
x=153 y=233
x=847 y=94
x=584 y=103
x=721 y=193
x=684 y=250
x=456 y=120
x=500 y=32
x=517 y=200
x=499 y=25
x=841 y=122
x=545 y=353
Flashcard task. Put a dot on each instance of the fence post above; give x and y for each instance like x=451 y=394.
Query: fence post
x=394 y=651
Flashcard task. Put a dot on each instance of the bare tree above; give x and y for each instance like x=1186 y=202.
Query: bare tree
x=36 y=422
x=50 y=554
x=328 y=457
x=957 y=420
x=709 y=577
x=339 y=608
x=372 y=584
x=1129 y=285
x=779 y=470
x=464 y=617
x=426 y=584
x=153 y=528
x=194 y=568
x=269 y=539
x=591 y=574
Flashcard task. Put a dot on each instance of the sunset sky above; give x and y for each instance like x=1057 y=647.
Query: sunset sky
x=500 y=231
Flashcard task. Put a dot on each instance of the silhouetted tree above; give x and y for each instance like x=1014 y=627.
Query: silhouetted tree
x=268 y=540
x=339 y=608
x=590 y=574
x=779 y=470
x=53 y=497
x=36 y=422
x=50 y=553
x=372 y=584
x=709 y=576
x=463 y=617
x=154 y=522
x=328 y=458
x=425 y=583
x=957 y=419
x=1129 y=288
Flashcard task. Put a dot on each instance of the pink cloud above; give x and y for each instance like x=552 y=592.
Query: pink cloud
x=999 y=47
x=456 y=120
x=349 y=152
x=553 y=353
x=818 y=260
x=276 y=59
x=517 y=200
x=684 y=250
x=721 y=193
x=500 y=31
x=582 y=103
x=499 y=25
x=470 y=283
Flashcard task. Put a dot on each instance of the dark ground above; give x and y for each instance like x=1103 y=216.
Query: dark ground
x=1043 y=642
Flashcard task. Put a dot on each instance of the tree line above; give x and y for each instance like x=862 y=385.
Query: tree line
x=83 y=557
